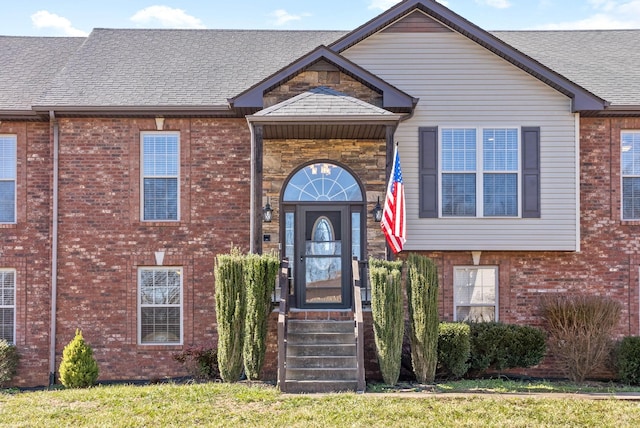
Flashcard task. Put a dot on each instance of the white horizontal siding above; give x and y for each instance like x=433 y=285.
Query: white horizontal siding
x=461 y=84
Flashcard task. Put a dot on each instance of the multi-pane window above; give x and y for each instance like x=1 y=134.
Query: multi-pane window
x=7 y=305
x=479 y=175
x=160 y=305
x=160 y=176
x=630 y=160
x=474 y=293
x=7 y=179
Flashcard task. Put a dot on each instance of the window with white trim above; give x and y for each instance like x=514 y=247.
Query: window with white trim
x=8 y=305
x=8 y=178
x=160 y=154
x=630 y=166
x=160 y=305
x=475 y=291
x=479 y=176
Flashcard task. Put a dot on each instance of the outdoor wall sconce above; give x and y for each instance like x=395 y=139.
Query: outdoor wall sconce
x=267 y=212
x=377 y=212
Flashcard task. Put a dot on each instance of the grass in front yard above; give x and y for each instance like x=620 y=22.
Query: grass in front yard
x=504 y=386
x=215 y=404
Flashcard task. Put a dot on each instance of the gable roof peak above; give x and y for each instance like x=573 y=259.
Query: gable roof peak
x=582 y=99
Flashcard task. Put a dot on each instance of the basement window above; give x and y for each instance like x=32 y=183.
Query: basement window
x=475 y=293
x=160 y=306
x=7 y=305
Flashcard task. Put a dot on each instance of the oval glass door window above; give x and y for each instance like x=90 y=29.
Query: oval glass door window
x=324 y=264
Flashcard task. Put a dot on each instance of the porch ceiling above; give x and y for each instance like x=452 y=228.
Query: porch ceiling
x=308 y=131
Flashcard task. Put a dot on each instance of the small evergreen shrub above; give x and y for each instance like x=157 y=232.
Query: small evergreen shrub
x=201 y=362
x=230 y=313
x=627 y=360
x=388 y=316
x=261 y=272
x=500 y=346
x=580 y=329
x=78 y=369
x=8 y=361
x=422 y=294
x=454 y=349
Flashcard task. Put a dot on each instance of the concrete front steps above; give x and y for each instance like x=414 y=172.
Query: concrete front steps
x=321 y=356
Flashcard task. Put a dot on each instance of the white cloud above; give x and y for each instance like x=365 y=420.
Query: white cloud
x=498 y=4
x=382 y=4
x=165 y=16
x=62 y=26
x=386 y=4
x=282 y=16
x=605 y=14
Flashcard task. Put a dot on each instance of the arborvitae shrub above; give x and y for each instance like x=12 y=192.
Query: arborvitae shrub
x=580 y=329
x=8 y=361
x=78 y=369
x=627 y=360
x=422 y=294
x=201 y=362
x=454 y=349
x=261 y=272
x=230 y=313
x=388 y=316
x=500 y=346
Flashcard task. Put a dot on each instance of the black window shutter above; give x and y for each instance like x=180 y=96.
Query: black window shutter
x=428 y=172
x=531 y=172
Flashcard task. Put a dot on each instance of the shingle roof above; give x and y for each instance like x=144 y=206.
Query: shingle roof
x=323 y=101
x=202 y=68
x=28 y=65
x=175 y=67
x=606 y=62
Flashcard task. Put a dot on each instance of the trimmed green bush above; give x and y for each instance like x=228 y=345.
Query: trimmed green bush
x=500 y=346
x=261 y=272
x=422 y=294
x=388 y=316
x=627 y=360
x=8 y=361
x=580 y=329
x=201 y=362
x=230 y=313
x=454 y=349
x=78 y=368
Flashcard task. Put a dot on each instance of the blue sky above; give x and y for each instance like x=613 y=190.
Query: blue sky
x=77 y=18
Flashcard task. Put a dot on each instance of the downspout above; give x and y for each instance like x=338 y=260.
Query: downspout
x=54 y=252
x=252 y=196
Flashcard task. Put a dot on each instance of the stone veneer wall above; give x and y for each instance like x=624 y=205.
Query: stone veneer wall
x=365 y=158
x=333 y=79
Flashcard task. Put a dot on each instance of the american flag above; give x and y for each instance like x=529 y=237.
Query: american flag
x=393 y=219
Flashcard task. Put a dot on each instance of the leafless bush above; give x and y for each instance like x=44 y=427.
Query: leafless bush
x=580 y=329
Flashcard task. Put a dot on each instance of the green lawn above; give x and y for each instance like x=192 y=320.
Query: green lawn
x=214 y=404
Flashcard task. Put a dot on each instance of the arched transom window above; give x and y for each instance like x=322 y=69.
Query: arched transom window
x=322 y=182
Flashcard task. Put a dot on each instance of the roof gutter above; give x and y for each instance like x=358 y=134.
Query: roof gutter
x=332 y=119
x=54 y=251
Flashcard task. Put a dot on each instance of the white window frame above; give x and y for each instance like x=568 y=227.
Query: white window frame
x=480 y=171
x=13 y=307
x=142 y=176
x=14 y=179
x=456 y=298
x=623 y=175
x=161 y=305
